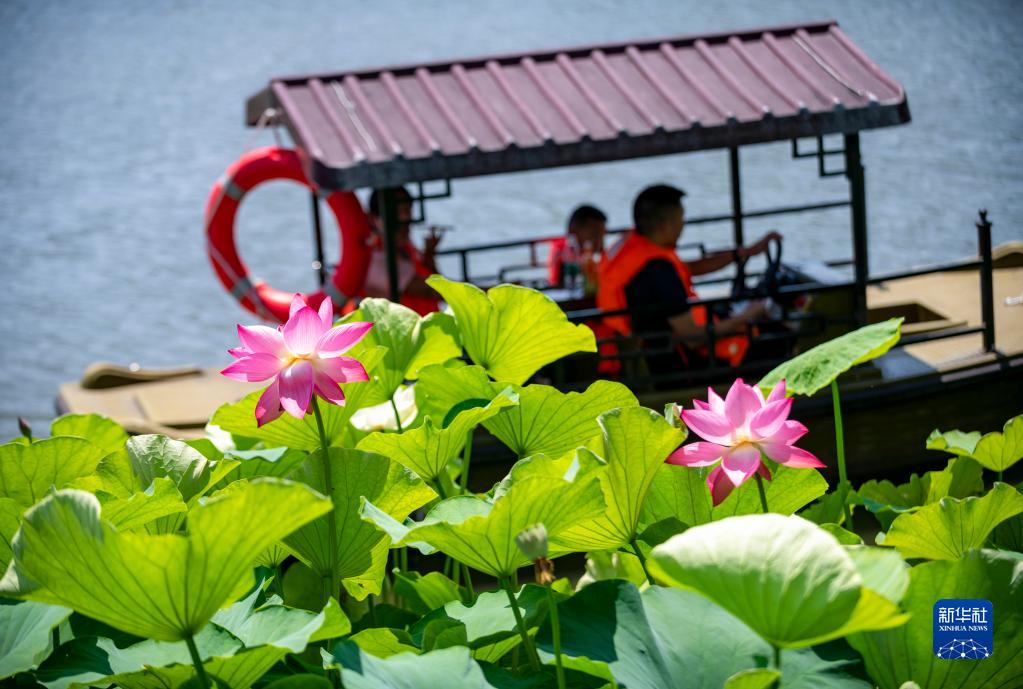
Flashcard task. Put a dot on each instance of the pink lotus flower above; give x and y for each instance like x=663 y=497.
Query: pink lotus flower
x=738 y=430
x=303 y=356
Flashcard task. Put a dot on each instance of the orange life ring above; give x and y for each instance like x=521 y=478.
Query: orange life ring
x=252 y=169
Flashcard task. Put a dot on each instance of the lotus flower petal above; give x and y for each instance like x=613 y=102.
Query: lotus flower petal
x=719 y=485
x=741 y=463
x=253 y=367
x=791 y=456
x=708 y=425
x=770 y=419
x=340 y=339
x=777 y=392
x=326 y=312
x=262 y=338
x=302 y=331
x=327 y=388
x=297 y=302
x=342 y=369
x=716 y=404
x=790 y=432
x=698 y=454
x=268 y=408
x=741 y=403
x=296 y=387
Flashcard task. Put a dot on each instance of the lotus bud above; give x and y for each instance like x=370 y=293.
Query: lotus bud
x=24 y=427
x=532 y=541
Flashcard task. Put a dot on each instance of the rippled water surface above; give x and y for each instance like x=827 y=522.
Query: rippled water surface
x=117 y=117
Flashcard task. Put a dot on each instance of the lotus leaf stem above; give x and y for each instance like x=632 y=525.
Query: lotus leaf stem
x=466 y=457
x=763 y=494
x=397 y=416
x=328 y=485
x=843 y=479
x=468 y=581
x=642 y=558
x=527 y=642
x=200 y=671
x=556 y=635
x=777 y=658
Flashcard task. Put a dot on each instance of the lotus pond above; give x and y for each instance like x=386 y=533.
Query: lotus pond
x=324 y=534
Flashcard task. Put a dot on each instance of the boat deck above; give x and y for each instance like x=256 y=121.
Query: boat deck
x=952 y=299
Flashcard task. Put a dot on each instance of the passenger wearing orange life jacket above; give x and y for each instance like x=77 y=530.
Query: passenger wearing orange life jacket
x=584 y=237
x=414 y=266
x=643 y=270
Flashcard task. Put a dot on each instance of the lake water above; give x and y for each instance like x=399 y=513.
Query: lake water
x=117 y=118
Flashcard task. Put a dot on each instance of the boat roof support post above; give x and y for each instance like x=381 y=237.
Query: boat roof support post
x=858 y=202
x=987 y=297
x=735 y=175
x=318 y=260
x=389 y=207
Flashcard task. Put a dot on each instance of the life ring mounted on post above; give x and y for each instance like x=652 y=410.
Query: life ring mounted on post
x=254 y=168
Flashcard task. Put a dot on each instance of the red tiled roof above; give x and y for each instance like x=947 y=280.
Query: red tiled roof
x=384 y=127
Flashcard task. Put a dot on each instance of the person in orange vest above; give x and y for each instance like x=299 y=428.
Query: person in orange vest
x=643 y=271
x=584 y=238
x=414 y=266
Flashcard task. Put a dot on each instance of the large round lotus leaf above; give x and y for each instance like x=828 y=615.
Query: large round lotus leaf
x=783 y=576
x=816 y=368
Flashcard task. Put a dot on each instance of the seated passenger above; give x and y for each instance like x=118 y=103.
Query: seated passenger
x=583 y=241
x=643 y=271
x=414 y=266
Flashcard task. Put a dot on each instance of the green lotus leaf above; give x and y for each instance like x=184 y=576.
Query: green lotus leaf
x=481 y=533
x=270 y=461
x=239 y=417
x=156 y=456
x=678 y=493
x=947 y=529
x=10 y=520
x=1008 y=535
x=489 y=619
x=303 y=681
x=899 y=655
x=789 y=580
x=995 y=451
x=273 y=556
x=610 y=564
x=28 y=471
x=383 y=642
x=262 y=632
x=427 y=449
x=451 y=668
x=512 y=331
x=425 y=592
x=645 y=640
x=636 y=442
x=959 y=479
x=157 y=587
x=25 y=634
x=104 y=433
x=161 y=499
x=883 y=571
x=546 y=421
x=361 y=548
x=816 y=368
x=760 y=678
x=843 y=536
x=412 y=342
x=99 y=661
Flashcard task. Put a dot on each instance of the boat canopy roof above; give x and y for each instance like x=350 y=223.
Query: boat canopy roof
x=503 y=113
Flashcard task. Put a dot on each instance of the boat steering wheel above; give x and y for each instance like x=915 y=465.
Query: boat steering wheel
x=768 y=284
